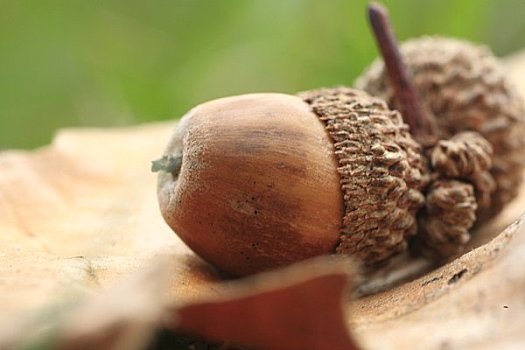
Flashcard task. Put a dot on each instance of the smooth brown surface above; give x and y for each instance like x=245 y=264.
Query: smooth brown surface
x=258 y=187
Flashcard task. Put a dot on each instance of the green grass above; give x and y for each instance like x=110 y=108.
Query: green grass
x=104 y=63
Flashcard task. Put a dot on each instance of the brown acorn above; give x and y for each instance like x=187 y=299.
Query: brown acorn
x=464 y=87
x=258 y=181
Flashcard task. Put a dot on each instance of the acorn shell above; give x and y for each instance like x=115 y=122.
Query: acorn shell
x=258 y=186
x=464 y=86
x=270 y=179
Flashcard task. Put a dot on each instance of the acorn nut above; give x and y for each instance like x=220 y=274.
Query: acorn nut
x=258 y=181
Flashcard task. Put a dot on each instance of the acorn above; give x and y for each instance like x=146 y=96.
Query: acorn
x=464 y=86
x=258 y=181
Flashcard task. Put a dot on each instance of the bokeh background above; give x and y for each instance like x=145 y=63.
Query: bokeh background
x=108 y=63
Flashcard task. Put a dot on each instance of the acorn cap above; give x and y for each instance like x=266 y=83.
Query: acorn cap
x=381 y=171
x=465 y=88
x=450 y=211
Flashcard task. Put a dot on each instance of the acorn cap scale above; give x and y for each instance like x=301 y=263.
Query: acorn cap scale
x=269 y=179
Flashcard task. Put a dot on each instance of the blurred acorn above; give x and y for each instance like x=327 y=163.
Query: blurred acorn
x=464 y=87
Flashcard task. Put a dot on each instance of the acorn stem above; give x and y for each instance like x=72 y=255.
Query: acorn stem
x=422 y=125
x=168 y=163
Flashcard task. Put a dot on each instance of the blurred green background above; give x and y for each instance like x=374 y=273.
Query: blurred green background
x=104 y=63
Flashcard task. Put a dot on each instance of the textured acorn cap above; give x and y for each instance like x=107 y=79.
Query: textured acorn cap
x=465 y=88
x=381 y=171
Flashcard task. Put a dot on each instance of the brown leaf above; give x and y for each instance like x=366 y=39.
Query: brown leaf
x=81 y=214
x=126 y=317
x=271 y=311
x=474 y=302
x=299 y=307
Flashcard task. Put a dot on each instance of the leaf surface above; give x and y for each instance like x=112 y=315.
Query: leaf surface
x=81 y=215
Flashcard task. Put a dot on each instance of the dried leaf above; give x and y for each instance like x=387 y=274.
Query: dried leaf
x=270 y=311
x=124 y=318
x=474 y=302
x=294 y=308
x=81 y=214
